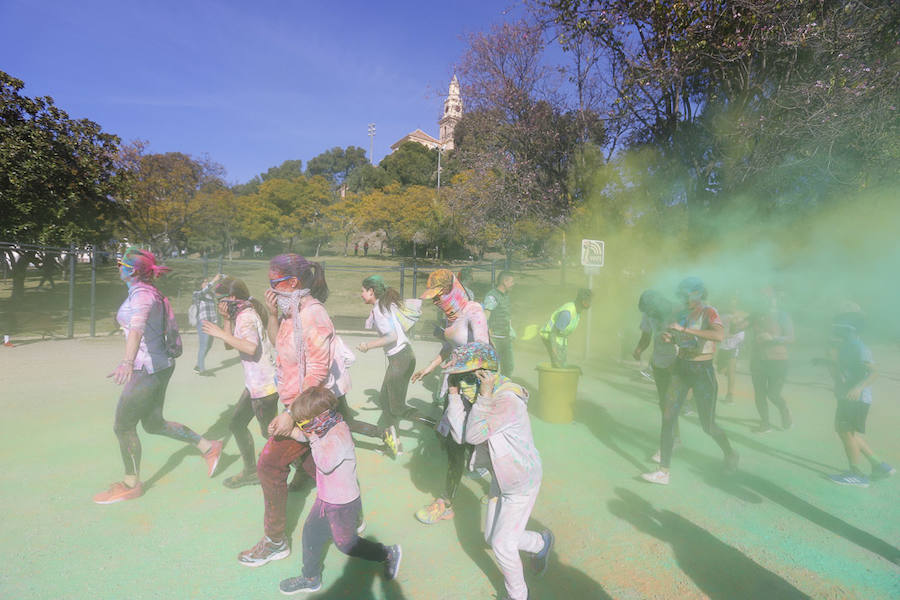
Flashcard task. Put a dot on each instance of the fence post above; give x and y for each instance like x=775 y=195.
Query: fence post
x=71 y=290
x=493 y=275
x=205 y=265
x=221 y=263
x=415 y=278
x=402 y=280
x=93 y=290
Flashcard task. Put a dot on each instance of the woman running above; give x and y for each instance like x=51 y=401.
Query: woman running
x=145 y=371
x=772 y=331
x=386 y=304
x=305 y=344
x=466 y=323
x=245 y=322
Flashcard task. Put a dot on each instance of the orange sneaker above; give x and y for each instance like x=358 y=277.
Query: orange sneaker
x=212 y=456
x=438 y=510
x=118 y=492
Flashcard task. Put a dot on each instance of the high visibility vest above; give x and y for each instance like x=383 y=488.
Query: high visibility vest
x=573 y=323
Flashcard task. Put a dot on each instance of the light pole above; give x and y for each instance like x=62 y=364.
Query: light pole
x=372 y=143
x=440 y=153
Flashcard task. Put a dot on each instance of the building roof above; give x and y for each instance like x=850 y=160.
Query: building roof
x=419 y=137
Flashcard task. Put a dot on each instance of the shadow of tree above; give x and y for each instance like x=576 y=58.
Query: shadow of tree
x=718 y=569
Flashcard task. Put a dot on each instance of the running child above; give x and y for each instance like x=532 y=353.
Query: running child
x=497 y=424
x=853 y=370
x=336 y=512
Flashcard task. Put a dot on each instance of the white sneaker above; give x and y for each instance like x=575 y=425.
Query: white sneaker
x=655 y=458
x=660 y=477
x=361 y=527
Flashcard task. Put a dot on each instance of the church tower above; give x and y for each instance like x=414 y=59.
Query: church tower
x=452 y=115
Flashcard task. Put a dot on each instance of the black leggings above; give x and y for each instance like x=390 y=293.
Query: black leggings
x=699 y=376
x=662 y=377
x=768 y=380
x=142 y=402
x=393 y=390
x=264 y=409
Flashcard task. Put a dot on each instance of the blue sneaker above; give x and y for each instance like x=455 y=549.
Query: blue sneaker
x=850 y=478
x=300 y=585
x=540 y=560
x=882 y=471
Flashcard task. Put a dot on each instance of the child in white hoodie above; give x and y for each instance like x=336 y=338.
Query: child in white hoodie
x=490 y=412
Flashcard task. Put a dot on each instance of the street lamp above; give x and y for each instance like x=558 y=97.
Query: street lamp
x=372 y=143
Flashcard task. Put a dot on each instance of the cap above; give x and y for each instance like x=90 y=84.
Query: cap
x=438 y=281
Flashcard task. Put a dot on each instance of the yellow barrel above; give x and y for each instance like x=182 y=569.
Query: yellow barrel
x=557 y=389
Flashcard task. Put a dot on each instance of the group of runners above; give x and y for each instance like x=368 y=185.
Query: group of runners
x=297 y=375
x=684 y=334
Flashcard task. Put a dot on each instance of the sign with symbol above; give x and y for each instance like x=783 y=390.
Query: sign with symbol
x=592 y=253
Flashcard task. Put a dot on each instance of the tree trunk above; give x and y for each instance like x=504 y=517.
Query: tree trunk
x=19 y=270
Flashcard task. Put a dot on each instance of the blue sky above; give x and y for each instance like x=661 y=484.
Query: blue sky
x=249 y=84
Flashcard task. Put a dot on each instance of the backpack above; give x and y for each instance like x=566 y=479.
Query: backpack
x=171 y=337
x=192 y=314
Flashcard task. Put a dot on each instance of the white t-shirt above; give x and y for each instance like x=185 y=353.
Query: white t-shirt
x=384 y=324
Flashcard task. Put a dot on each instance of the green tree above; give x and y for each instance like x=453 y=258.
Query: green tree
x=412 y=164
x=57 y=176
x=336 y=164
x=365 y=178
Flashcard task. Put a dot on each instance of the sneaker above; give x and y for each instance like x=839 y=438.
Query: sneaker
x=118 y=492
x=392 y=441
x=882 y=471
x=434 y=512
x=786 y=421
x=540 y=560
x=198 y=370
x=731 y=462
x=392 y=562
x=762 y=428
x=850 y=478
x=300 y=585
x=241 y=479
x=9 y=344
x=212 y=456
x=656 y=457
x=661 y=477
x=689 y=413
x=266 y=550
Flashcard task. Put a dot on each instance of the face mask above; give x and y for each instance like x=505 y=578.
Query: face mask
x=288 y=301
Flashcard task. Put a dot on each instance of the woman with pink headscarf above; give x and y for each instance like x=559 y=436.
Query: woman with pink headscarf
x=146 y=317
x=466 y=323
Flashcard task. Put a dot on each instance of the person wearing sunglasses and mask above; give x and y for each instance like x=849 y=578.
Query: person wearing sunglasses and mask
x=245 y=320
x=466 y=322
x=490 y=411
x=145 y=372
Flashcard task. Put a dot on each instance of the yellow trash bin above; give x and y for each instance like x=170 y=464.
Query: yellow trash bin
x=557 y=389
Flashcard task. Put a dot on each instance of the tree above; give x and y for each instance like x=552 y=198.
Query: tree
x=162 y=190
x=57 y=176
x=412 y=164
x=300 y=203
x=345 y=219
x=289 y=169
x=336 y=164
x=365 y=178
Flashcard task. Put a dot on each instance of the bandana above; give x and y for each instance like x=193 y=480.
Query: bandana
x=289 y=303
x=453 y=302
x=321 y=423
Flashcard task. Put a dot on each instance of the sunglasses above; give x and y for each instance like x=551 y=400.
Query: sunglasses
x=275 y=282
x=465 y=378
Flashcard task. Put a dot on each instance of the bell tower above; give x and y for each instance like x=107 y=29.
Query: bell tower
x=452 y=115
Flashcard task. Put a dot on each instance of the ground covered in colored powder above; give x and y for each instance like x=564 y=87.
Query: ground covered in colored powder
x=777 y=529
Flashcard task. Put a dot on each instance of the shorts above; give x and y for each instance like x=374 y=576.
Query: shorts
x=851 y=416
x=723 y=357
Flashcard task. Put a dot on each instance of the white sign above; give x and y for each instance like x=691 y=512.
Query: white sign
x=592 y=253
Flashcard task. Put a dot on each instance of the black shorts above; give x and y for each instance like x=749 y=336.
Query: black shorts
x=851 y=416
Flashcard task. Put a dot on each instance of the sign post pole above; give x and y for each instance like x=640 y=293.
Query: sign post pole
x=592 y=254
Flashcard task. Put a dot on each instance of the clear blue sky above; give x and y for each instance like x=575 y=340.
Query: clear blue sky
x=251 y=84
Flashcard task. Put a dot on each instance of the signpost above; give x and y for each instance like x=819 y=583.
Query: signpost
x=592 y=253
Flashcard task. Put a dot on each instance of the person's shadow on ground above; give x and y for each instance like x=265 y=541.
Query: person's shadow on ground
x=718 y=569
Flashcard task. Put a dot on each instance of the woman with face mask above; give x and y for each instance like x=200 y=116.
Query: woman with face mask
x=466 y=322
x=305 y=343
x=145 y=372
x=245 y=330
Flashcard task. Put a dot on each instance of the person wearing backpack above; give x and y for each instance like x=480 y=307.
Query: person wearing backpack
x=151 y=345
x=388 y=316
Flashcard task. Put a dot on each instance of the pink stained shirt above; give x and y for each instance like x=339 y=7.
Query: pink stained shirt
x=297 y=372
x=143 y=309
x=335 y=458
x=259 y=369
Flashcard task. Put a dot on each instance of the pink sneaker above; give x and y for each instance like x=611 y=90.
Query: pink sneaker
x=212 y=456
x=118 y=492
